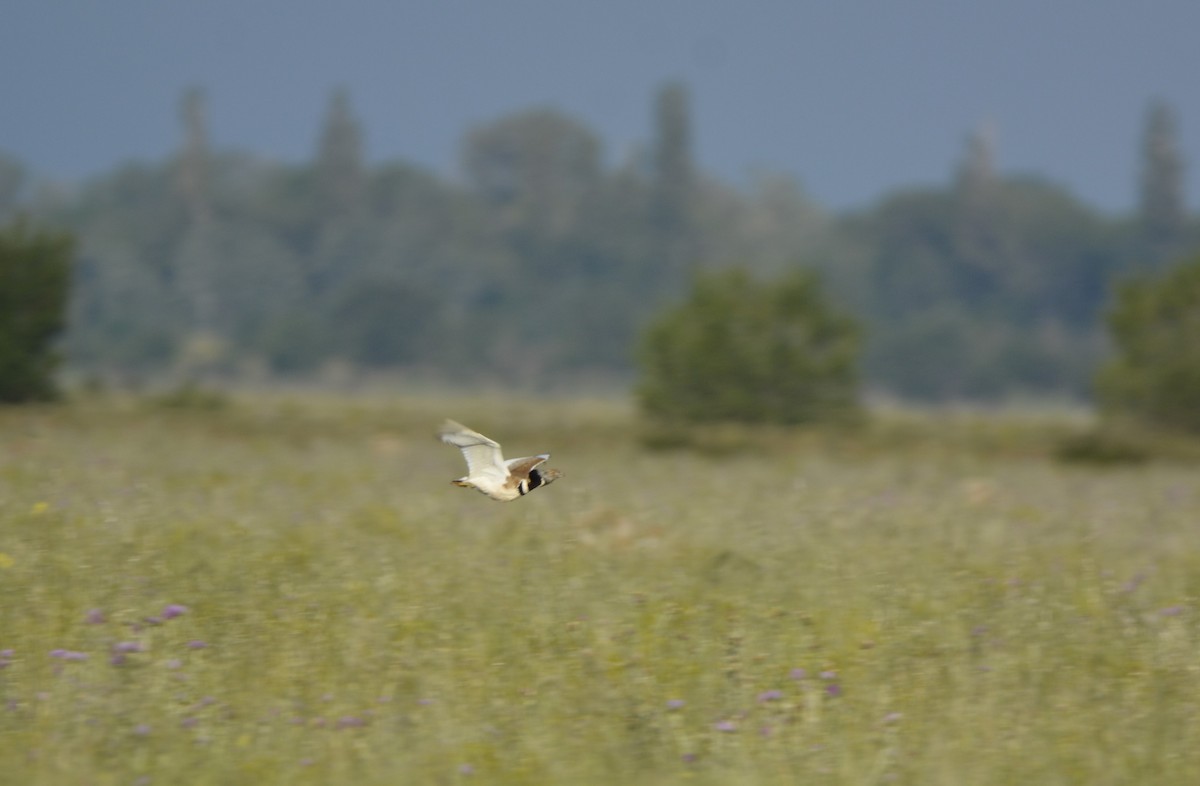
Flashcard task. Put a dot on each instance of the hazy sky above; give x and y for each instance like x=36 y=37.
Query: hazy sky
x=855 y=98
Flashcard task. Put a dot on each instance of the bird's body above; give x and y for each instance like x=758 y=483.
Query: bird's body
x=488 y=472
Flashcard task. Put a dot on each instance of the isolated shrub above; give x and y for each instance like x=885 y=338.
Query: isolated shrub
x=1155 y=376
x=746 y=351
x=35 y=269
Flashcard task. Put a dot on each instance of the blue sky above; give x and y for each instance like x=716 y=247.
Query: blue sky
x=854 y=98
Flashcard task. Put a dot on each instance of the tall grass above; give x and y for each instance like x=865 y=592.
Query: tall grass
x=292 y=592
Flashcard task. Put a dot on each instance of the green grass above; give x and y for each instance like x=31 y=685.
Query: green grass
x=987 y=615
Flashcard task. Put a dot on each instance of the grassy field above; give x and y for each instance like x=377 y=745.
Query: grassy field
x=290 y=592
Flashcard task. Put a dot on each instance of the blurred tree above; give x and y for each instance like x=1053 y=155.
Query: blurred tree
x=127 y=312
x=536 y=171
x=13 y=182
x=745 y=351
x=1155 y=376
x=1162 y=214
x=194 y=254
x=340 y=170
x=542 y=264
x=1036 y=268
x=35 y=269
x=340 y=187
x=383 y=324
x=193 y=162
x=673 y=184
x=977 y=235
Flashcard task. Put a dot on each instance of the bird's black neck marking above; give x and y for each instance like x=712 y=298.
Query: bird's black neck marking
x=535 y=479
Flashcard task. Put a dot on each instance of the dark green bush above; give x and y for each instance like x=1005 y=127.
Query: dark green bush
x=35 y=270
x=740 y=350
x=1155 y=376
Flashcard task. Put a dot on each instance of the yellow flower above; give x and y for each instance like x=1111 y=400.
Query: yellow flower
x=39 y=508
x=6 y=561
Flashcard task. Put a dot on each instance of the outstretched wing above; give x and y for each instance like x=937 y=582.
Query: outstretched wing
x=521 y=467
x=482 y=454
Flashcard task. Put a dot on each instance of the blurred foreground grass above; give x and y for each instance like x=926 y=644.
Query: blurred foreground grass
x=290 y=591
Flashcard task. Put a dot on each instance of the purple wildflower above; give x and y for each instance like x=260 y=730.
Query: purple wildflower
x=95 y=617
x=726 y=726
x=770 y=695
x=893 y=717
x=196 y=644
x=128 y=646
x=117 y=659
x=350 y=722
x=833 y=690
x=676 y=704
x=1171 y=611
x=828 y=675
x=798 y=674
x=688 y=758
x=7 y=653
x=466 y=769
x=173 y=610
x=141 y=730
x=174 y=663
x=306 y=762
x=424 y=702
x=68 y=655
x=189 y=722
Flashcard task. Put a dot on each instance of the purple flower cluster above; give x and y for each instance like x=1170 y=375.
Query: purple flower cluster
x=121 y=650
x=68 y=655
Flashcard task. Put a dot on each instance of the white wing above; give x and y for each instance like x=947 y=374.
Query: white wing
x=482 y=454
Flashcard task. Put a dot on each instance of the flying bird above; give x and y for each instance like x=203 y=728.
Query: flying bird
x=488 y=472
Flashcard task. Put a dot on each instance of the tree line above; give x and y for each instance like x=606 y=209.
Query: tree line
x=541 y=261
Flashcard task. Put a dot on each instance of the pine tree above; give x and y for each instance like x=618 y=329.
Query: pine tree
x=340 y=170
x=978 y=247
x=673 y=183
x=193 y=166
x=195 y=256
x=1161 y=210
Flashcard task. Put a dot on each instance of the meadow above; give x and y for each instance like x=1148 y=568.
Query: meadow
x=289 y=591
